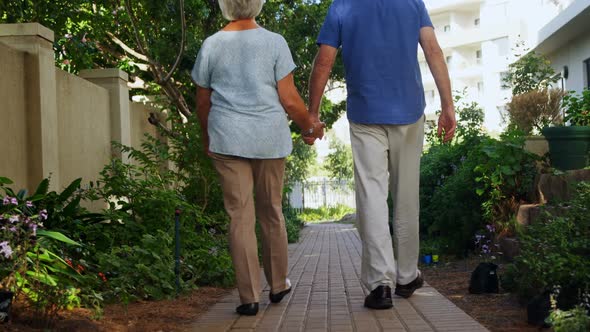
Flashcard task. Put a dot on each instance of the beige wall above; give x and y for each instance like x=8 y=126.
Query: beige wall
x=84 y=128
x=54 y=124
x=13 y=119
x=139 y=114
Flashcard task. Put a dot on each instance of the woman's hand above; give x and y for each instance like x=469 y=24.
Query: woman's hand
x=317 y=132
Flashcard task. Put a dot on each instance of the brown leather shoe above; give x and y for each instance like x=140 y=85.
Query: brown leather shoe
x=406 y=291
x=380 y=298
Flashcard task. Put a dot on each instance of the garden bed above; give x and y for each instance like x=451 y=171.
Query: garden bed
x=166 y=315
x=497 y=312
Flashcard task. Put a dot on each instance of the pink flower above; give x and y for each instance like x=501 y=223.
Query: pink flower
x=66 y=62
x=29 y=204
x=43 y=214
x=5 y=249
x=6 y=200
x=14 y=201
x=13 y=219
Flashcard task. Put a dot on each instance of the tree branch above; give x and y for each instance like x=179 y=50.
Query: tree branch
x=182 y=42
x=154 y=120
x=128 y=49
x=133 y=20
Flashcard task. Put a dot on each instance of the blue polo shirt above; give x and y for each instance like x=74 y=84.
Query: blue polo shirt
x=379 y=40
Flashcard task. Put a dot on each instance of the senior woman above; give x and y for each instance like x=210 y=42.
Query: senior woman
x=244 y=87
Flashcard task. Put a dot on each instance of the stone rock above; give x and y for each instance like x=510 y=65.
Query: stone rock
x=510 y=247
x=349 y=218
x=558 y=188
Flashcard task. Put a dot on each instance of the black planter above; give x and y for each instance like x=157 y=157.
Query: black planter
x=569 y=147
x=5 y=304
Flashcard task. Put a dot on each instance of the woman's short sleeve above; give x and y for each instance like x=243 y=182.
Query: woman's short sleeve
x=284 y=63
x=201 y=72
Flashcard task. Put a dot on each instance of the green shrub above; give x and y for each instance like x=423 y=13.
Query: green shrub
x=554 y=251
x=293 y=223
x=574 y=320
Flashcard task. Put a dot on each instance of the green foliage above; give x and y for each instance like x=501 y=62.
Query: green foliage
x=293 y=223
x=142 y=271
x=339 y=162
x=577 y=108
x=574 y=320
x=488 y=176
x=555 y=250
x=299 y=162
x=332 y=213
x=532 y=71
x=504 y=176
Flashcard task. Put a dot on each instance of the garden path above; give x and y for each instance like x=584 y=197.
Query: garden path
x=327 y=295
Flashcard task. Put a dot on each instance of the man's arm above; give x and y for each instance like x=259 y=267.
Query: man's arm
x=203 y=109
x=438 y=67
x=322 y=66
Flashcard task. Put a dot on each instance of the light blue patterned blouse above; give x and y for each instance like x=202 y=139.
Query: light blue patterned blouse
x=243 y=68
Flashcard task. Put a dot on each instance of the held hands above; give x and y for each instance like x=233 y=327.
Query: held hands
x=447 y=124
x=316 y=132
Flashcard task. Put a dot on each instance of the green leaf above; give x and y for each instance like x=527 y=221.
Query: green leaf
x=4 y=180
x=70 y=189
x=42 y=277
x=43 y=188
x=57 y=236
x=480 y=191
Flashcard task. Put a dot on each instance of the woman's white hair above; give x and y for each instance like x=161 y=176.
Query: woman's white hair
x=240 y=9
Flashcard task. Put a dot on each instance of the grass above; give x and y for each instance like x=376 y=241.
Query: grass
x=325 y=214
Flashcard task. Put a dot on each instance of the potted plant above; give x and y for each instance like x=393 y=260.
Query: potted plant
x=426 y=250
x=569 y=145
x=535 y=104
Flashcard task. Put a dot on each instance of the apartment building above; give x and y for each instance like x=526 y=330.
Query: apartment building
x=478 y=38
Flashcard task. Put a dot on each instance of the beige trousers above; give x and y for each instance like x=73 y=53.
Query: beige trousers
x=240 y=177
x=387 y=157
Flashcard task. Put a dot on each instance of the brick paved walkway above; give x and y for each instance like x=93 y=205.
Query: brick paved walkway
x=327 y=295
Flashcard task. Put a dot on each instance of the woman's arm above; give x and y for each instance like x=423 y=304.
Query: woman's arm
x=203 y=108
x=295 y=108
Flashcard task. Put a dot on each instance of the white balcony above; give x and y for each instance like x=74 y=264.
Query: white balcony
x=437 y=6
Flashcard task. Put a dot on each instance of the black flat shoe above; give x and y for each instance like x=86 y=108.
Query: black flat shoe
x=248 y=309
x=276 y=298
x=406 y=291
x=380 y=298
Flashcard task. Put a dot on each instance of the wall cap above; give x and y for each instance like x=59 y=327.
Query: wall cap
x=104 y=73
x=26 y=29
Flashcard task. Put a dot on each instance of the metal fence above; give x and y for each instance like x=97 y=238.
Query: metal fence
x=323 y=193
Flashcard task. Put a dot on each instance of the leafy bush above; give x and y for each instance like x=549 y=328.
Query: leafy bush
x=574 y=320
x=489 y=177
x=554 y=251
x=32 y=262
x=293 y=223
x=530 y=72
x=577 y=108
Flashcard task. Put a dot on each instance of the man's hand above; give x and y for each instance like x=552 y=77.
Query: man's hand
x=447 y=124
x=318 y=132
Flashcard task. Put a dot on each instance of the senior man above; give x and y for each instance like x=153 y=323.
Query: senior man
x=385 y=108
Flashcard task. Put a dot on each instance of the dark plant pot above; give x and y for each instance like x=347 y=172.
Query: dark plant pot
x=427 y=259
x=569 y=147
x=5 y=304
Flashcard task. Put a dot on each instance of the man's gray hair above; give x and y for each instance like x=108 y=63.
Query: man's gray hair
x=240 y=9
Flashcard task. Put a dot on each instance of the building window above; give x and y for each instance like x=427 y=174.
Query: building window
x=478 y=56
x=447 y=28
x=587 y=65
x=476 y=22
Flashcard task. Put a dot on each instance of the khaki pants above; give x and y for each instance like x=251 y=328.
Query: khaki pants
x=387 y=156
x=240 y=177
